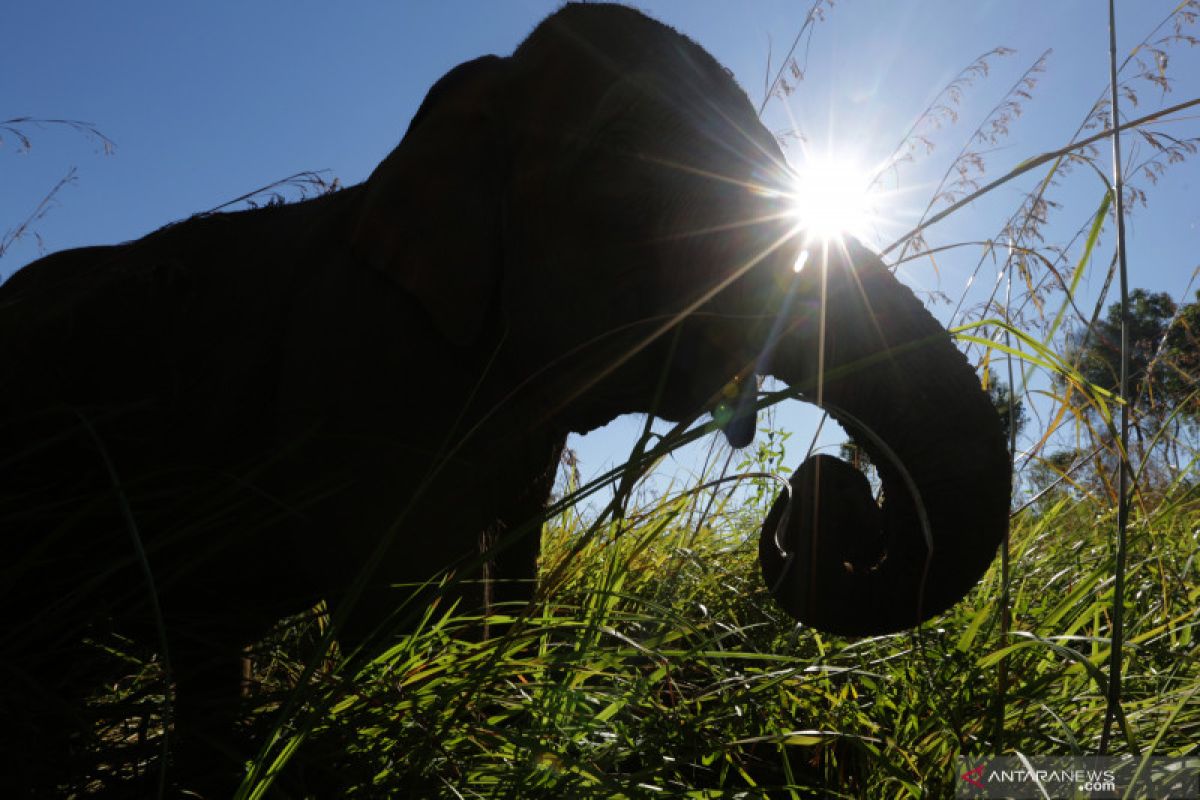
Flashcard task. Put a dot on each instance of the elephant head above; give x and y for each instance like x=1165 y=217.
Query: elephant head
x=604 y=184
x=622 y=226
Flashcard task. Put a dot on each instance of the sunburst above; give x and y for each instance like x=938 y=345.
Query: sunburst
x=832 y=198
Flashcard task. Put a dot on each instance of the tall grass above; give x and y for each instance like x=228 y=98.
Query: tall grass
x=660 y=667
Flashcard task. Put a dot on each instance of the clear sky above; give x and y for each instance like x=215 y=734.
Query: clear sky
x=206 y=101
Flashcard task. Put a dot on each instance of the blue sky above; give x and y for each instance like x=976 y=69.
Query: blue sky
x=208 y=101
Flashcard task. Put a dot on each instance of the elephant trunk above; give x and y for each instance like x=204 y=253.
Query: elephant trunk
x=890 y=374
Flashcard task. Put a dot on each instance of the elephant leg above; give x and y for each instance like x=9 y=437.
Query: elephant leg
x=47 y=674
x=508 y=573
x=42 y=732
x=511 y=546
x=209 y=749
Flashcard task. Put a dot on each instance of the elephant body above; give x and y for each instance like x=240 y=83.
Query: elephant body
x=317 y=406
x=240 y=414
x=264 y=449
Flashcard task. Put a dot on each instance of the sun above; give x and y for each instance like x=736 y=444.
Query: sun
x=832 y=198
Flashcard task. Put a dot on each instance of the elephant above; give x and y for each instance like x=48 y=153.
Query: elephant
x=240 y=414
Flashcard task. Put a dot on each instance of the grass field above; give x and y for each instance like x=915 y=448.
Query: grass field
x=661 y=666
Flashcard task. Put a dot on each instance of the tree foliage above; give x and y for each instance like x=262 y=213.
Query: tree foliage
x=1011 y=411
x=1164 y=353
x=1164 y=392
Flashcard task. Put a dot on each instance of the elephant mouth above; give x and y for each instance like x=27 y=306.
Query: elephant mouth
x=735 y=412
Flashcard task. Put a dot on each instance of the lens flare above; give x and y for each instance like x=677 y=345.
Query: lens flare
x=801 y=260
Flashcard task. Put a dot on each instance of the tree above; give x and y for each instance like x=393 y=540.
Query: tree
x=1164 y=375
x=1001 y=395
x=1164 y=353
x=1098 y=349
x=1054 y=476
x=1182 y=360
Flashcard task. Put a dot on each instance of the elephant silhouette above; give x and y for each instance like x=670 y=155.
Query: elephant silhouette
x=221 y=423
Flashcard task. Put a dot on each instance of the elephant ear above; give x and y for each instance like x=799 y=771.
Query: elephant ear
x=431 y=214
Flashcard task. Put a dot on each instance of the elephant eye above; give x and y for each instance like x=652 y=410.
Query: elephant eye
x=616 y=138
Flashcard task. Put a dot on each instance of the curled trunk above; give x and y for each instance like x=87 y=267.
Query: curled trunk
x=892 y=377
